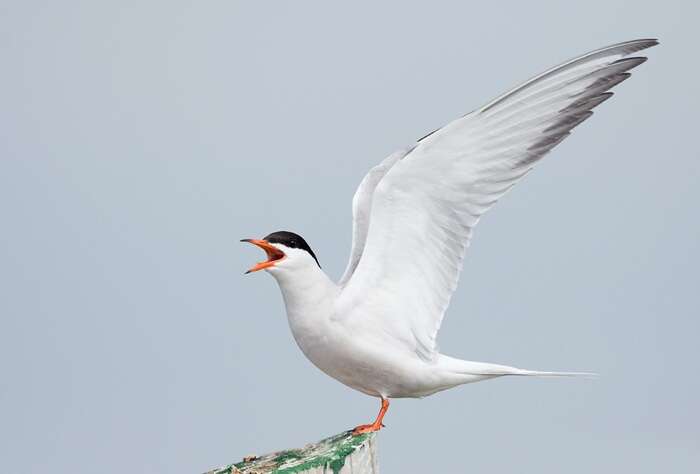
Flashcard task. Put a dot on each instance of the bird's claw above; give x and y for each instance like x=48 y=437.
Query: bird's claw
x=363 y=429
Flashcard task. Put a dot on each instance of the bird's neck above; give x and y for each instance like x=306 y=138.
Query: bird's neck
x=307 y=292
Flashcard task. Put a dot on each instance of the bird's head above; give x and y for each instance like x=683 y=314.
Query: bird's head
x=286 y=251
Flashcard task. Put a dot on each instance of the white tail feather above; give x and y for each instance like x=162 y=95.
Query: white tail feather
x=496 y=370
x=539 y=373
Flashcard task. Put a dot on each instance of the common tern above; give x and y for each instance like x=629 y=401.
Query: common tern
x=413 y=216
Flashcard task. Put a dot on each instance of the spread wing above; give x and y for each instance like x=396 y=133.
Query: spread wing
x=414 y=214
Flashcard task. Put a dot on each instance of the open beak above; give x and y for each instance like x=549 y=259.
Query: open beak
x=273 y=254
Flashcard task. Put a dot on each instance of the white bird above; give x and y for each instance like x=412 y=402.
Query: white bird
x=413 y=217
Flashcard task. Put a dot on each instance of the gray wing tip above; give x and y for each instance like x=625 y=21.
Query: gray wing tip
x=643 y=42
x=625 y=63
x=636 y=45
x=624 y=49
x=632 y=61
x=651 y=41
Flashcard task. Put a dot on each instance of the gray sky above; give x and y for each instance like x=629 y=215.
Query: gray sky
x=141 y=140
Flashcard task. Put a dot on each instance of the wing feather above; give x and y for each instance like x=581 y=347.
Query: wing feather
x=415 y=213
x=361 y=206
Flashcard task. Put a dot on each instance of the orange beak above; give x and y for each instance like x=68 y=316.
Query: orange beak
x=273 y=254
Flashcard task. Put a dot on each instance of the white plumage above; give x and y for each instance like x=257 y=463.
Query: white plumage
x=414 y=215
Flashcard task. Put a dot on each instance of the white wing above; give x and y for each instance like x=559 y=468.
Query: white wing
x=424 y=202
x=361 y=206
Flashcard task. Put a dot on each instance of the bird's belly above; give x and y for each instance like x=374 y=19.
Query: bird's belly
x=352 y=370
x=368 y=365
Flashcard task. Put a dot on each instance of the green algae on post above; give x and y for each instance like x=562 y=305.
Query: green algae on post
x=328 y=454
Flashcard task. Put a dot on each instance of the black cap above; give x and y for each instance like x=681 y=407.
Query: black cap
x=291 y=240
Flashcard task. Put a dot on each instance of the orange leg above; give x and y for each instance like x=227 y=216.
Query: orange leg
x=377 y=425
